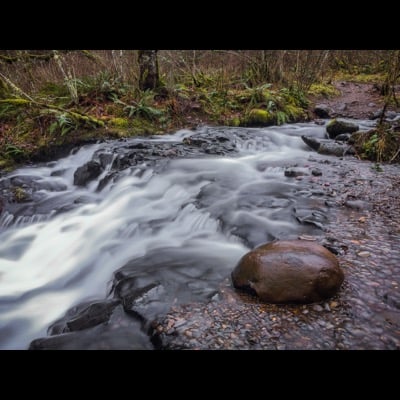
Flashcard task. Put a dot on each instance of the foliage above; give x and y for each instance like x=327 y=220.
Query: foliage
x=103 y=86
x=140 y=108
x=380 y=145
x=63 y=94
x=62 y=123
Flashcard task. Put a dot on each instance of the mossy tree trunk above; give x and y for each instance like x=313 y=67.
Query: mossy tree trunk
x=148 y=70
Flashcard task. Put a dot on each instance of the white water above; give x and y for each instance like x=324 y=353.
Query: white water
x=49 y=266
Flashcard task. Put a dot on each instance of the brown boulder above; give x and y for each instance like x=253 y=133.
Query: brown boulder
x=292 y=271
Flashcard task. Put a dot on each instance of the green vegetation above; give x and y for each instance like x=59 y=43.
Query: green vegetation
x=381 y=144
x=323 y=89
x=54 y=98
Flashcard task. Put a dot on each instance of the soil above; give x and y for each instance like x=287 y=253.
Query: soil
x=356 y=100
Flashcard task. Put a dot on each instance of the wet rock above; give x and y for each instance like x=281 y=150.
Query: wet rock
x=338 y=126
x=328 y=147
x=375 y=115
x=343 y=137
x=295 y=172
x=83 y=316
x=391 y=115
x=87 y=172
x=323 y=111
x=311 y=142
x=357 y=205
x=105 y=159
x=121 y=332
x=292 y=271
x=140 y=301
x=316 y=172
x=342 y=107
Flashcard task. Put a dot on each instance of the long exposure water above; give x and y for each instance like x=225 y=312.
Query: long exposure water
x=189 y=220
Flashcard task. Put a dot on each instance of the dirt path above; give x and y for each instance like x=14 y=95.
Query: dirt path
x=356 y=100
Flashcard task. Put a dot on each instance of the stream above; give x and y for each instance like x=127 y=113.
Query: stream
x=143 y=224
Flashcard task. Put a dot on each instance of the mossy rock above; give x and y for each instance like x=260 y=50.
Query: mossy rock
x=258 y=117
x=338 y=126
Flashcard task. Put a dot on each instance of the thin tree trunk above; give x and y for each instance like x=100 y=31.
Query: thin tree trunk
x=148 y=70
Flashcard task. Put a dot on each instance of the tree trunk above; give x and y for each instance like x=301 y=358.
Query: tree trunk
x=148 y=70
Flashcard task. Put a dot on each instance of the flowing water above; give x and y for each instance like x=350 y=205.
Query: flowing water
x=184 y=222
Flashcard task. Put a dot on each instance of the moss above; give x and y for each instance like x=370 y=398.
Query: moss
x=19 y=194
x=119 y=122
x=235 y=121
x=295 y=113
x=331 y=122
x=258 y=117
x=361 y=78
x=323 y=89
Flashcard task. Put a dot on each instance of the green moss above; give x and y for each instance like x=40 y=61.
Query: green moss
x=323 y=89
x=119 y=122
x=19 y=194
x=258 y=117
x=294 y=113
x=331 y=122
x=361 y=77
x=235 y=121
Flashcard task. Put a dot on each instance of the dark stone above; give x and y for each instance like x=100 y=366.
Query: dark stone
x=316 y=172
x=328 y=147
x=323 y=111
x=294 y=172
x=139 y=301
x=83 y=316
x=292 y=271
x=376 y=115
x=87 y=172
x=311 y=142
x=121 y=332
x=338 y=126
x=391 y=115
x=343 y=137
x=309 y=216
x=105 y=159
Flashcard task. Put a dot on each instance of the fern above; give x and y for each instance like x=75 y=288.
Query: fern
x=281 y=117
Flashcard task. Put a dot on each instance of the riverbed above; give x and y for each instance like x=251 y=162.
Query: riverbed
x=97 y=245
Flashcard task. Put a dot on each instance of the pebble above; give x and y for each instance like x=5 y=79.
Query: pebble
x=357 y=318
x=333 y=304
